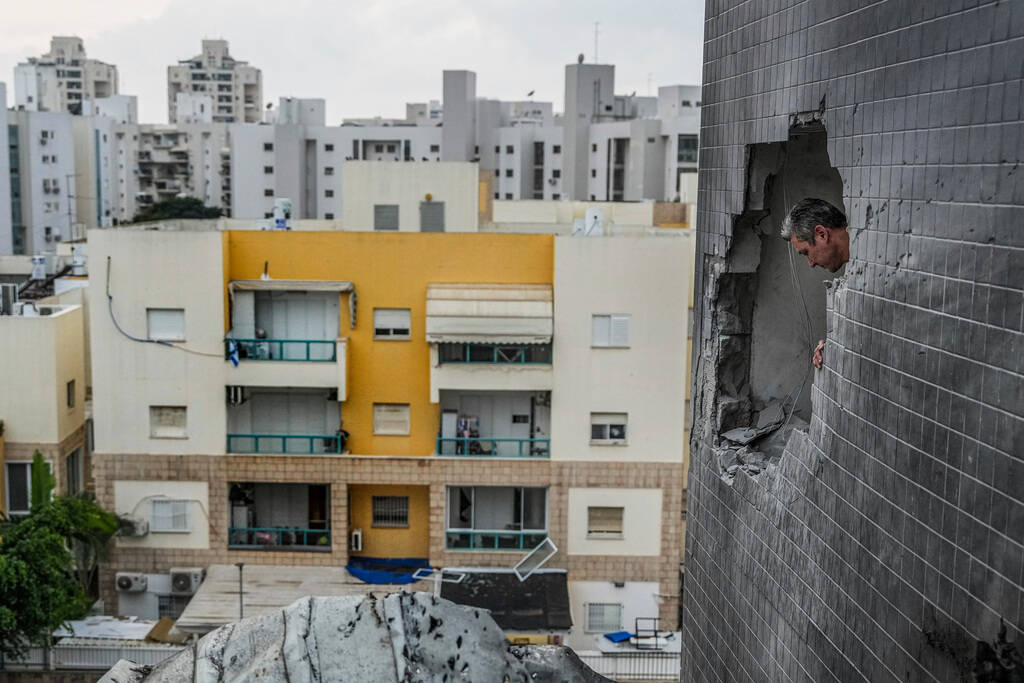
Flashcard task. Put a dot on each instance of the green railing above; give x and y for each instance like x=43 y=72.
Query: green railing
x=284 y=443
x=474 y=447
x=457 y=539
x=279 y=538
x=500 y=354
x=313 y=350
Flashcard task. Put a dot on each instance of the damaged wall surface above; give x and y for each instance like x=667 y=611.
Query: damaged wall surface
x=864 y=521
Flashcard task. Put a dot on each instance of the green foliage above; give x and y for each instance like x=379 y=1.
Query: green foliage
x=41 y=570
x=179 y=207
x=43 y=482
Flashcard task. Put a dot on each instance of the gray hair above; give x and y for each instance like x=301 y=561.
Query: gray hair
x=808 y=213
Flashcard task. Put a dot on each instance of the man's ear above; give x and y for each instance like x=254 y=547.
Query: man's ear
x=821 y=232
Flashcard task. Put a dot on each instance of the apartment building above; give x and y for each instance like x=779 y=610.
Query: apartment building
x=63 y=78
x=234 y=88
x=42 y=353
x=330 y=398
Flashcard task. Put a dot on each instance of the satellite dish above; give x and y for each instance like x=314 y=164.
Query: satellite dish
x=579 y=59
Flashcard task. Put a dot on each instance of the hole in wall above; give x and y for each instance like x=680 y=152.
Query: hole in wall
x=771 y=303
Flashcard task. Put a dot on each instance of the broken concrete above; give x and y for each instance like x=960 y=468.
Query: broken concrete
x=397 y=637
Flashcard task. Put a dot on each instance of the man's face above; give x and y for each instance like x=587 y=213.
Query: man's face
x=824 y=251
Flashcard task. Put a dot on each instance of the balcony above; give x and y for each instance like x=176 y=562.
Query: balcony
x=288 y=517
x=285 y=421
x=497 y=424
x=509 y=518
x=309 y=350
x=290 y=363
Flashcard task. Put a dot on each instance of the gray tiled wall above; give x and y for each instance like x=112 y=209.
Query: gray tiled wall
x=888 y=541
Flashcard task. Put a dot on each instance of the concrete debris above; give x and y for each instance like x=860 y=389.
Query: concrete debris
x=397 y=637
x=768 y=420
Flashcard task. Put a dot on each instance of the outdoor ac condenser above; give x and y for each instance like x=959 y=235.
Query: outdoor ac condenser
x=130 y=582
x=185 y=580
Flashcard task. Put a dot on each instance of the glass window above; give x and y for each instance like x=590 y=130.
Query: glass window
x=169 y=516
x=608 y=428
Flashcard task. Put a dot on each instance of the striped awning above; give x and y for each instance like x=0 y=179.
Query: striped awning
x=489 y=313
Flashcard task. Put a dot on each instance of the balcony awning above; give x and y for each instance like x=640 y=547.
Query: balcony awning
x=489 y=313
x=339 y=286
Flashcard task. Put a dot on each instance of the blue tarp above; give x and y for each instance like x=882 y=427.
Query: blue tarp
x=618 y=636
x=382 y=570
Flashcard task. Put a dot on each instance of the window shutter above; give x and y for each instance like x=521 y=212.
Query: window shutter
x=385 y=217
x=166 y=324
x=619 y=330
x=604 y=520
x=167 y=421
x=431 y=216
x=600 y=331
x=391 y=418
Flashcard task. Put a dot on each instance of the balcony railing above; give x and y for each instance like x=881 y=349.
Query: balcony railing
x=511 y=354
x=457 y=539
x=302 y=444
x=313 y=350
x=279 y=538
x=475 y=447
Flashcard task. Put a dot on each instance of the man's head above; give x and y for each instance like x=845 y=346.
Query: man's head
x=817 y=230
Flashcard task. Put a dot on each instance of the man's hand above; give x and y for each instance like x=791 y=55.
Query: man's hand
x=818 y=357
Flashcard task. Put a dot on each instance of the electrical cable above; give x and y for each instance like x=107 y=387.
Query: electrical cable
x=141 y=340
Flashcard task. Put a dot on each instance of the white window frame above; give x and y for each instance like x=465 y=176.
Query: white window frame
x=168 y=432
x=388 y=324
x=610 y=330
x=159 y=324
x=380 y=427
x=390 y=510
x=602 y=534
x=610 y=421
x=590 y=627
x=176 y=516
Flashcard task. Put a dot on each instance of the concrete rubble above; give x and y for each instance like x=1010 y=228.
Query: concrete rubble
x=397 y=637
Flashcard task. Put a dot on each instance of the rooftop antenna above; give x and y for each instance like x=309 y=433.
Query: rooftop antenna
x=596 y=32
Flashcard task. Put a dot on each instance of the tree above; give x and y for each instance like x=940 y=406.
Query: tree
x=46 y=561
x=179 y=207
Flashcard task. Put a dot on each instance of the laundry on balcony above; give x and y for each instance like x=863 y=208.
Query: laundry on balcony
x=489 y=313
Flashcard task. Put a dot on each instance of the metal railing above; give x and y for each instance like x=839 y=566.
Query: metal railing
x=459 y=539
x=309 y=444
x=313 y=350
x=98 y=657
x=634 y=666
x=496 y=354
x=478 y=447
x=277 y=538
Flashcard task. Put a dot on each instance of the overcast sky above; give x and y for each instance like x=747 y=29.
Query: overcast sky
x=370 y=58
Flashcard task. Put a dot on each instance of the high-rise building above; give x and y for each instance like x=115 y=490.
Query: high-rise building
x=63 y=78
x=235 y=88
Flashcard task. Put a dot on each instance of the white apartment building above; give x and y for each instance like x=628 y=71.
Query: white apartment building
x=63 y=78
x=235 y=87
x=7 y=181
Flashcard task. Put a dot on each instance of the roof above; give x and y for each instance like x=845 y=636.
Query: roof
x=539 y=603
x=106 y=627
x=489 y=313
x=267 y=589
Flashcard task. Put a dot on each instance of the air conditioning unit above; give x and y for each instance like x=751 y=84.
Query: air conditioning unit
x=133 y=527
x=355 y=540
x=130 y=582
x=186 y=580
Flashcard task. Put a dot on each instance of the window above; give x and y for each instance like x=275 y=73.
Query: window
x=508 y=195
x=593 y=147
x=328 y=170
x=268 y=169
x=604 y=522
x=328 y=193
x=169 y=516
x=391 y=323
x=608 y=428
x=687 y=148
x=268 y=192
x=329 y=216
x=509 y=149
x=378 y=148
x=73 y=468
x=497 y=149
x=435 y=148
x=390 y=511
x=165 y=324
x=391 y=419
x=556 y=149
x=556 y=173
x=497 y=195
x=385 y=216
x=268 y=146
x=71 y=394
x=391 y=149
x=496 y=517
x=603 y=617
x=593 y=173
x=167 y=422
x=556 y=196
x=19 y=488
x=328 y=147
x=610 y=330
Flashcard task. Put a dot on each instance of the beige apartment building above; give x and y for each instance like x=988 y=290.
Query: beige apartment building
x=340 y=398
x=63 y=78
x=230 y=88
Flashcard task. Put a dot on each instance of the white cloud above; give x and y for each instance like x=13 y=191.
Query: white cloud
x=370 y=58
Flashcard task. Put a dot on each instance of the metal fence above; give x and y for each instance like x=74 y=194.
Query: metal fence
x=634 y=666
x=87 y=657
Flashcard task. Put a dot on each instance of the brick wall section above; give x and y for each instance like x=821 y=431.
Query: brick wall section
x=889 y=539
x=55 y=454
x=437 y=473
